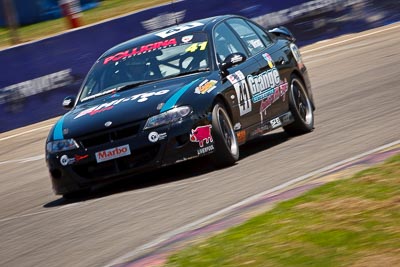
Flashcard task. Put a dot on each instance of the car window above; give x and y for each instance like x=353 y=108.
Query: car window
x=261 y=33
x=167 y=58
x=247 y=34
x=226 y=42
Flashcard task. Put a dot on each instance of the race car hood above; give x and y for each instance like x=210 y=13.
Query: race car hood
x=125 y=107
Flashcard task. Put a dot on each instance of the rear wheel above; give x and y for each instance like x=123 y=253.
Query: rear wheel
x=301 y=108
x=225 y=141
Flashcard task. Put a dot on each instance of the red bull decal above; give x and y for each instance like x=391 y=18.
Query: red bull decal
x=143 y=49
x=201 y=134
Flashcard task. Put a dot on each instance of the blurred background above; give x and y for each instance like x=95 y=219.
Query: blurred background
x=47 y=46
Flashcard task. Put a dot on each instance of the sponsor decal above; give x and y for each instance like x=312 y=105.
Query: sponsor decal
x=201 y=134
x=112 y=153
x=79 y=157
x=205 y=150
x=187 y=39
x=242 y=92
x=278 y=91
x=266 y=87
x=160 y=106
x=262 y=85
x=66 y=102
x=235 y=77
x=236 y=59
x=237 y=126
x=260 y=130
x=241 y=136
x=155 y=137
x=286 y=117
x=64 y=160
x=297 y=55
x=143 y=49
x=110 y=105
x=275 y=123
x=179 y=28
x=269 y=59
x=206 y=87
x=108 y=123
x=256 y=43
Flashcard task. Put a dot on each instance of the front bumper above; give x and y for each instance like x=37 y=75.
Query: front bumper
x=78 y=169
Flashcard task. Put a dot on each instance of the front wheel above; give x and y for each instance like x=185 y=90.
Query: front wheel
x=301 y=108
x=225 y=141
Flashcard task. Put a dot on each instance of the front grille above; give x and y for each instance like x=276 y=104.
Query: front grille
x=108 y=136
x=138 y=158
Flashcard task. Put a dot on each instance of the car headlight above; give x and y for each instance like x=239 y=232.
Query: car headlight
x=61 y=145
x=167 y=117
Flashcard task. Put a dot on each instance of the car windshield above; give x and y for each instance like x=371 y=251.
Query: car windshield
x=143 y=63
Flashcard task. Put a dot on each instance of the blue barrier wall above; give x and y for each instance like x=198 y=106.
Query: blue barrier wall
x=35 y=77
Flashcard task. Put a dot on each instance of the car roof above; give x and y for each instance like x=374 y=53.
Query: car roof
x=204 y=25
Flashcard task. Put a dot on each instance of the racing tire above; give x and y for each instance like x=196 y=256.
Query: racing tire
x=301 y=107
x=225 y=141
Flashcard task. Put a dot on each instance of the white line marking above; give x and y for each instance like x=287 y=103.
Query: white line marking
x=195 y=224
x=350 y=39
x=303 y=52
x=26 y=132
x=24 y=160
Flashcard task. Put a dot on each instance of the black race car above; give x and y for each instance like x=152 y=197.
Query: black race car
x=197 y=89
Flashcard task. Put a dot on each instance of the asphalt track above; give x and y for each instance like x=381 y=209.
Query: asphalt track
x=356 y=88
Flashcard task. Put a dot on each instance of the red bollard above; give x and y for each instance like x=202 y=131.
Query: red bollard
x=72 y=11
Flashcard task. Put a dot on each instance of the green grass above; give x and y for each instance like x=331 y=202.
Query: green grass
x=107 y=9
x=352 y=222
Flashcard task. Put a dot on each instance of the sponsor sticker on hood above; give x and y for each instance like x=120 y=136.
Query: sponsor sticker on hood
x=110 y=105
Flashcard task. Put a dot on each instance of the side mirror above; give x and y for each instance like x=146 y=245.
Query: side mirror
x=232 y=60
x=69 y=102
x=282 y=31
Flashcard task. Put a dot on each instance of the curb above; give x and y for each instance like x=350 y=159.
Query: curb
x=156 y=255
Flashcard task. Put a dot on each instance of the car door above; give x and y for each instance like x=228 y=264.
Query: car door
x=226 y=42
x=268 y=86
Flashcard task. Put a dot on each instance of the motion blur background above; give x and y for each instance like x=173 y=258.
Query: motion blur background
x=35 y=76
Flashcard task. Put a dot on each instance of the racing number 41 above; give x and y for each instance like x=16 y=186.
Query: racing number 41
x=242 y=91
x=195 y=46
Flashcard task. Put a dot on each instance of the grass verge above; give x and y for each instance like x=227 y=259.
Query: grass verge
x=106 y=9
x=351 y=222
